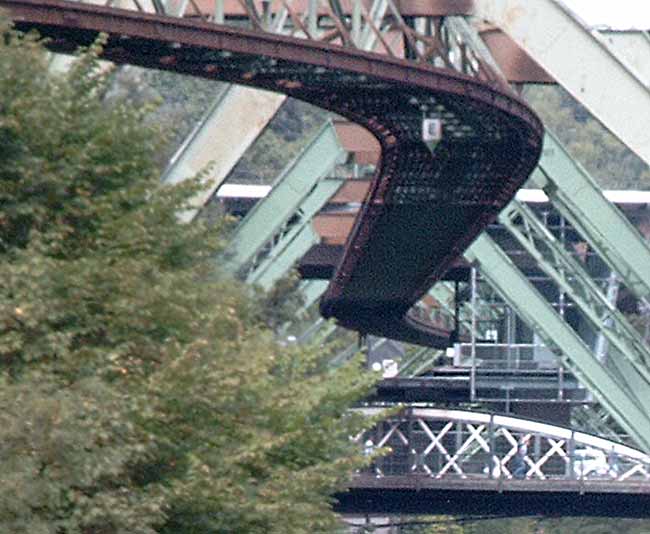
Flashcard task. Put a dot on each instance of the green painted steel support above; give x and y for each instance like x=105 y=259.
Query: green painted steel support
x=321 y=193
x=579 y=199
x=311 y=291
x=591 y=418
x=368 y=39
x=406 y=368
x=573 y=279
x=283 y=256
x=321 y=328
x=633 y=46
x=174 y=8
x=518 y=292
x=345 y=355
x=427 y=363
x=292 y=188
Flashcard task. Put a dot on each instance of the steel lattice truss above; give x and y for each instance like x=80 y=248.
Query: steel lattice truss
x=423 y=207
x=441 y=443
x=378 y=25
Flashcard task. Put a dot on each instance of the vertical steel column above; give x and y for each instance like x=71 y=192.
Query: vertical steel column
x=218 y=16
x=312 y=17
x=472 y=376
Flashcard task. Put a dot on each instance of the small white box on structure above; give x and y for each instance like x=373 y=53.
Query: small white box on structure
x=390 y=368
x=431 y=130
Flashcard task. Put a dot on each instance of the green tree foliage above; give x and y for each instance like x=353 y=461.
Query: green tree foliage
x=560 y=525
x=140 y=391
x=430 y=525
x=608 y=161
x=281 y=141
x=522 y=525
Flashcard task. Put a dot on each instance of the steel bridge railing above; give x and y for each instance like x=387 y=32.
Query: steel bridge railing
x=442 y=443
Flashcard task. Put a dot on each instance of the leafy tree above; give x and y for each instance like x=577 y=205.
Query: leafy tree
x=281 y=141
x=608 y=160
x=140 y=390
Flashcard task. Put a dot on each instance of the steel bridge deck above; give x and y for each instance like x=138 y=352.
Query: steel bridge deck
x=412 y=494
x=422 y=210
x=455 y=385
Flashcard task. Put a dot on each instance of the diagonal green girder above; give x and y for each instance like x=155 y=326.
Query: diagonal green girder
x=618 y=398
x=311 y=291
x=283 y=256
x=292 y=188
x=573 y=278
x=578 y=198
x=591 y=419
x=277 y=246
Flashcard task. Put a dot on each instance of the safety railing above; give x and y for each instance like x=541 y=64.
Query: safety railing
x=443 y=443
x=378 y=26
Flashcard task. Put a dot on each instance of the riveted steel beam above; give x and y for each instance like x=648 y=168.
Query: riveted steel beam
x=287 y=198
x=579 y=199
x=573 y=279
x=619 y=399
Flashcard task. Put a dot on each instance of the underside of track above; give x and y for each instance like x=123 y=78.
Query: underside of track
x=423 y=207
x=513 y=498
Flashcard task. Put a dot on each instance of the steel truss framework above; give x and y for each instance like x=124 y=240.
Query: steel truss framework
x=347 y=29
x=442 y=443
x=485 y=129
x=580 y=201
x=379 y=26
x=572 y=277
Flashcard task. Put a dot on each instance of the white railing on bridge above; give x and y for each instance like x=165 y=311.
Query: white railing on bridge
x=464 y=444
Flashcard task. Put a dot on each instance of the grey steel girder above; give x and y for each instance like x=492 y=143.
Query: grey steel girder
x=580 y=60
x=633 y=46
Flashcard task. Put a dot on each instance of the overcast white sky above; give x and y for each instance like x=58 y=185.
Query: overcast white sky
x=614 y=13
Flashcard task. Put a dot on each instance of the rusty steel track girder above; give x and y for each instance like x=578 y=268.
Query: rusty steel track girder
x=423 y=208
